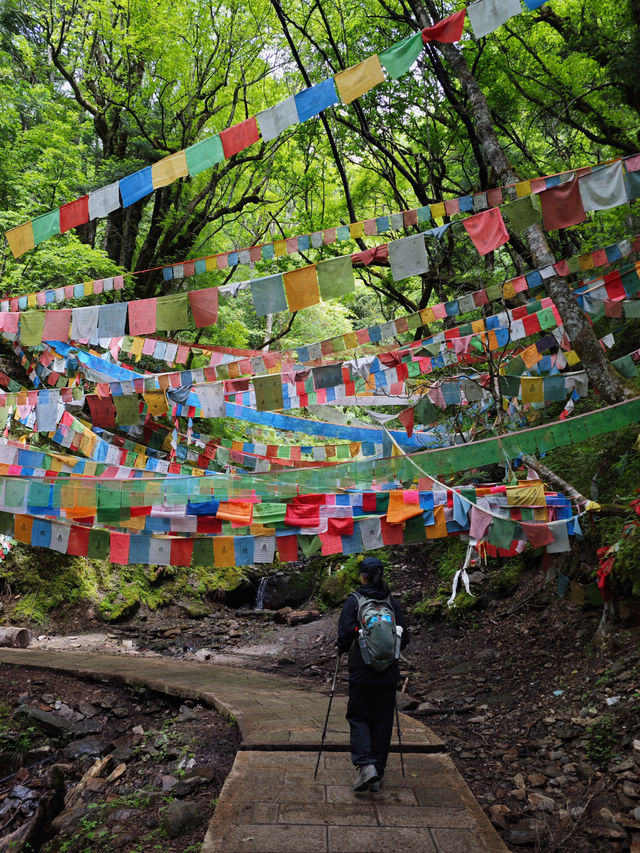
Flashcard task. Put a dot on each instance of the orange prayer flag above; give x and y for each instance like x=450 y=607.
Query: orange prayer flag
x=20 y=239
x=438 y=529
x=355 y=81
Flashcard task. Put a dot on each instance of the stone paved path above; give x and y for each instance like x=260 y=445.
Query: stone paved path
x=270 y=802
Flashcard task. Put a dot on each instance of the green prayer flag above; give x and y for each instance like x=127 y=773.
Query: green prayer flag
x=515 y=366
x=31 y=328
x=268 y=294
x=414 y=529
x=493 y=291
x=425 y=412
x=6 y=524
x=46 y=226
x=509 y=386
x=310 y=545
x=335 y=277
x=546 y=319
x=631 y=282
x=502 y=533
x=626 y=366
x=414 y=321
x=127 y=410
x=268 y=392
x=573 y=264
x=14 y=492
x=338 y=344
x=202 y=552
x=204 y=154
x=39 y=494
x=171 y=312
x=632 y=308
x=398 y=59
x=522 y=212
x=99 y=541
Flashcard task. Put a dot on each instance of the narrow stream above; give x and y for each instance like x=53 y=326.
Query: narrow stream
x=259 y=602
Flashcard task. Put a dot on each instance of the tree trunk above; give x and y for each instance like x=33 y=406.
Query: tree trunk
x=609 y=384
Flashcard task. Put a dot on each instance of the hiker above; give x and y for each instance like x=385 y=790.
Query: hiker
x=372 y=688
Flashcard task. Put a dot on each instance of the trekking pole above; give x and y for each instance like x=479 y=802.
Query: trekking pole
x=326 y=722
x=399 y=737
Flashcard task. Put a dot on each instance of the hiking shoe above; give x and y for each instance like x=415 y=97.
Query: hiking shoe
x=366 y=775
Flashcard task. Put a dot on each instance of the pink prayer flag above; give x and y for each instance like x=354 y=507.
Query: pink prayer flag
x=449 y=30
x=487 y=230
x=292 y=245
x=494 y=197
x=239 y=137
x=599 y=258
x=480 y=520
x=562 y=268
x=452 y=206
x=439 y=311
x=520 y=284
x=41 y=298
x=204 y=306
x=57 y=325
x=118 y=282
x=562 y=206
x=142 y=317
x=329 y=236
x=633 y=163
x=97 y=286
x=148 y=347
x=11 y=319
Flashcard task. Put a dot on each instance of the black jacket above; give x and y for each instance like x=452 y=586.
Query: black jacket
x=359 y=673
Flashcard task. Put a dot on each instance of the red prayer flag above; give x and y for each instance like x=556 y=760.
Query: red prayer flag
x=103 y=411
x=340 y=526
x=562 y=206
x=239 y=137
x=181 y=552
x=407 y=419
x=449 y=30
x=119 y=547
x=78 y=542
x=287 y=548
x=537 y=534
x=487 y=230
x=204 y=307
x=74 y=213
x=380 y=253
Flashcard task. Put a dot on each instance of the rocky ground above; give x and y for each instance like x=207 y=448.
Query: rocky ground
x=538 y=709
x=132 y=770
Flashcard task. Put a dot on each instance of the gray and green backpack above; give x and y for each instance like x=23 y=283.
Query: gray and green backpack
x=377 y=635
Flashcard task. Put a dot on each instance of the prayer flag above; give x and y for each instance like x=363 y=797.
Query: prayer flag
x=136 y=186
x=74 y=213
x=112 y=319
x=204 y=154
x=142 y=317
x=268 y=391
x=268 y=295
x=273 y=121
x=562 y=206
x=355 y=81
x=104 y=200
x=310 y=102
x=20 y=239
x=169 y=169
x=56 y=325
x=448 y=30
x=335 y=277
x=408 y=257
x=603 y=187
x=301 y=287
x=398 y=59
x=522 y=213
x=487 y=230
x=240 y=136
x=45 y=226
x=171 y=312
x=31 y=327
x=84 y=322
x=487 y=15
x=204 y=306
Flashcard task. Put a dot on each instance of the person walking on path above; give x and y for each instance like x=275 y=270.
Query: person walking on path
x=372 y=687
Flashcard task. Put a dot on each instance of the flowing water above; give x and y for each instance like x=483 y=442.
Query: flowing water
x=259 y=602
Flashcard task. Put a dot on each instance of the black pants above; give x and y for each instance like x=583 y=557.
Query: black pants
x=370 y=717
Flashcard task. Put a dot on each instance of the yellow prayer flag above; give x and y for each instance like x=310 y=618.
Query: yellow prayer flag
x=350 y=340
x=280 y=248
x=156 y=402
x=140 y=462
x=31 y=300
x=301 y=288
x=532 y=389
x=136 y=348
x=508 y=290
x=426 y=315
x=586 y=262
x=169 y=169
x=477 y=327
x=211 y=263
x=20 y=239
x=523 y=188
x=356 y=229
x=223 y=552
x=437 y=210
x=572 y=357
x=88 y=288
x=358 y=79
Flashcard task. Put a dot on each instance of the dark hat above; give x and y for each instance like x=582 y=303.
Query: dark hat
x=370 y=564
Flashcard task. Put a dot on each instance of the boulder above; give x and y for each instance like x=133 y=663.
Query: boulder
x=15 y=638
x=287 y=589
x=181 y=817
